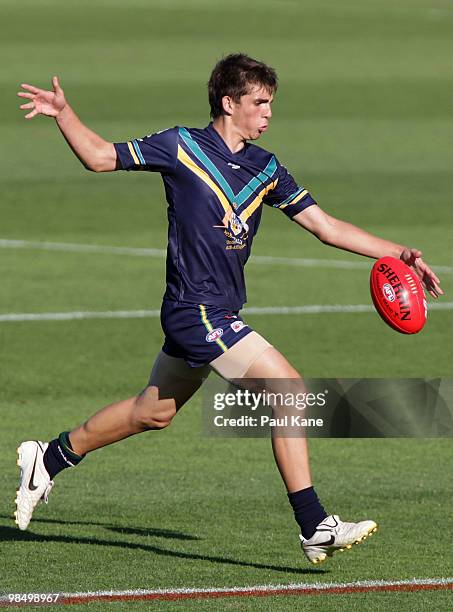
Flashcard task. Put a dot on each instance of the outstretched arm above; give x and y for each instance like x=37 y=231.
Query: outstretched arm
x=94 y=152
x=348 y=237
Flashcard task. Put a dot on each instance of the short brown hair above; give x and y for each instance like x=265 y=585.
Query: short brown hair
x=233 y=75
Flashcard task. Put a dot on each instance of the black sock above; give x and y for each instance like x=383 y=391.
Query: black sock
x=308 y=511
x=60 y=455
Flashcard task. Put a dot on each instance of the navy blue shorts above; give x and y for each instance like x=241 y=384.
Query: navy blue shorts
x=199 y=333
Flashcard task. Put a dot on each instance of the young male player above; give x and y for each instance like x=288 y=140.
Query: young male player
x=215 y=184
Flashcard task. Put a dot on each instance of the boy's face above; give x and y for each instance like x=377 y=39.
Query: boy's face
x=251 y=115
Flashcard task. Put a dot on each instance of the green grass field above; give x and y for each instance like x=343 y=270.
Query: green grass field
x=363 y=118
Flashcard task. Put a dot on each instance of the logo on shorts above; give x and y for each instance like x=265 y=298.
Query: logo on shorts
x=214 y=334
x=388 y=292
x=237 y=326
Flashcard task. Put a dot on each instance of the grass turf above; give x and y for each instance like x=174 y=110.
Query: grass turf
x=363 y=119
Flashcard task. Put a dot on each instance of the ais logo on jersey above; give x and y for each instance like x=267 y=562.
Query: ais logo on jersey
x=236 y=225
x=214 y=334
x=235 y=229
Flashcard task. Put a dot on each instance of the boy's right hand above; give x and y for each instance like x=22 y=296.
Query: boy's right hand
x=43 y=102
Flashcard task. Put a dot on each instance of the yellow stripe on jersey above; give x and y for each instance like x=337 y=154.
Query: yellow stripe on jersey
x=133 y=153
x=296 y=199
x=189 y=163
x=208 y=325
x=248 y=212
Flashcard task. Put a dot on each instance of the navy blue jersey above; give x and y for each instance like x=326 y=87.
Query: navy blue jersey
x=214 y=207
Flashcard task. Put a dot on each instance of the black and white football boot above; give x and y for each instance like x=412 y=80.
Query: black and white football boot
x=35 y=483
x=333 y=534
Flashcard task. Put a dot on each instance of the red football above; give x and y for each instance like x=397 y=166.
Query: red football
x=398 y=295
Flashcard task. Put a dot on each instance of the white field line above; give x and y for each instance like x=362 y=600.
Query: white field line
x=319 y=586
x=80 y=248
x=161 y=254
x=416 y=584
x=142 y=314
x=72 y=316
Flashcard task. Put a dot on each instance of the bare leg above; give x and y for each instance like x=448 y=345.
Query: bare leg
x=123 y=419
x=172 y=383
x=291 y=454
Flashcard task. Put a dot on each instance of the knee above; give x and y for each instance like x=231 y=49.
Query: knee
x=150 y=412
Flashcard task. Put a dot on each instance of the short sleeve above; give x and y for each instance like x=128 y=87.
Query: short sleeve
x=155 y=152
x=287 y=195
